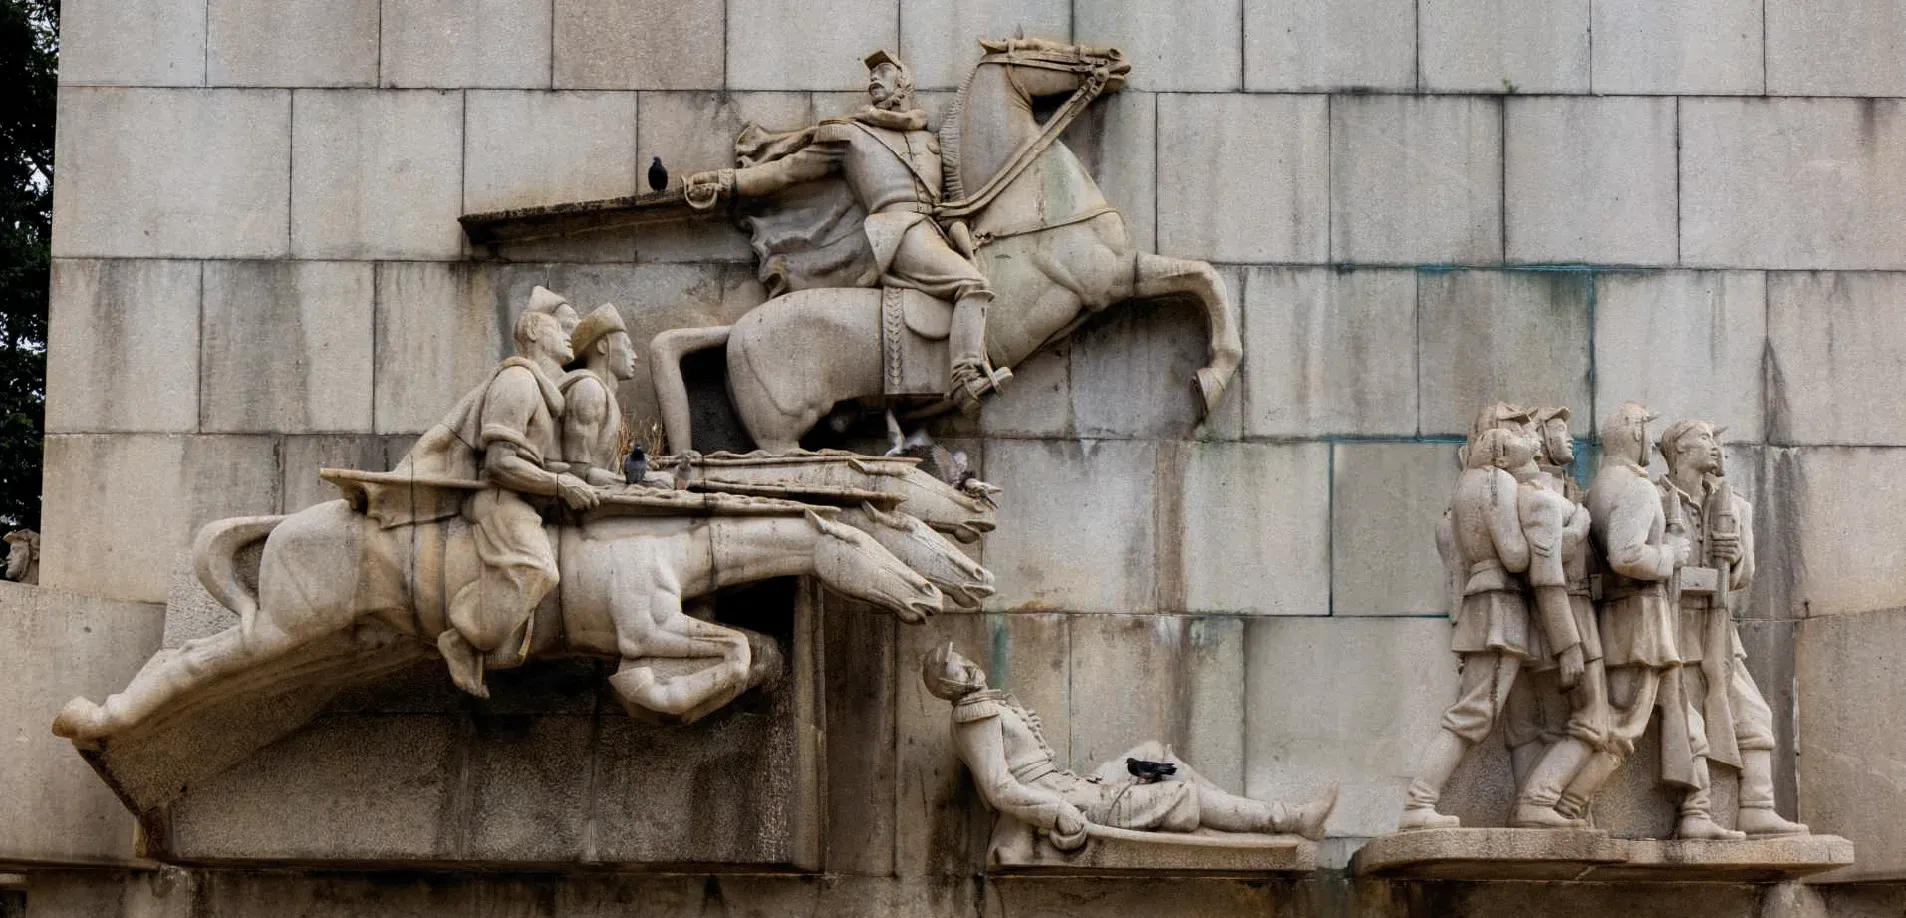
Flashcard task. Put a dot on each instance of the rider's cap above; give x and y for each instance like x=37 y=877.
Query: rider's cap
x=595 y=326
x=882 y=57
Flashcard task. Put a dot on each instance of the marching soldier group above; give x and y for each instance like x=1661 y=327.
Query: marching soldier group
x=1625 y=594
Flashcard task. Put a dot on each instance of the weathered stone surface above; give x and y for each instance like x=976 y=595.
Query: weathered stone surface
x=190 y=611
x=379 y=174
x=1488 y=854
x=180 y=173
x=1688 y=344
x=1822 y=494
x=1274 y=157
x=513 y=157
x=132 y=43
x=1188 y=47
x=692 y=131
x=1351 y=44
x=1835 y=340
x=1109 y=563
x=291 y=42
x=1157 y=855
x=613 y=44
x=1503 y=46
x=1329 y=352
x=288 y=347
x=123 y=349
x=1756 y=860
x=940 y=40
x=1176 y=679
x=1704 y=47
x=785 y=44
x=1770 y=660
x=305 y=455
x=1345 y=700
x=1590 y=180
x=119 y=508
x=1533 y=325
x=455 y=44
x=1256 y=529
x=55 y=645
x=1436 y=159
x=1117 y=141
x=1850 y=670
x=1793 y=183
x=1836 y=48
x=438 y=333
x=1038 y=403
x=1131 y=372
x=1385 y=501
x=861 y=687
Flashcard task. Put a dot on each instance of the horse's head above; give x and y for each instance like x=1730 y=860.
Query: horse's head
x=1047 y=68
x=852 y=563
x=929 y=553
x=962 y=515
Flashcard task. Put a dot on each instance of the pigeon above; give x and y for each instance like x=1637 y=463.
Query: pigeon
x=1149 y=772
x=635 y=469
x=658 y=175
x=685 y=467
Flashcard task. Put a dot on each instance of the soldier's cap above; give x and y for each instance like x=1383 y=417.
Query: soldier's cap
x=1492 y=416
x=1544 y=415
x=1680 y=429
x=543 y=299
x=597 y=325
x=882 y=57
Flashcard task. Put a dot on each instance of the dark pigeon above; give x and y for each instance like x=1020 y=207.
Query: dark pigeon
x=658 y=175
x=1149 y=772
x=636 y=467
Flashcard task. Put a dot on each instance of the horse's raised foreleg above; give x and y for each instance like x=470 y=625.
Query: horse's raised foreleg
x=1156 y=275
x=653 y=636
x=666 y=351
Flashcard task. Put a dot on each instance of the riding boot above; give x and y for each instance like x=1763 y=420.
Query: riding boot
x=1536 y=806
x=1307 y=820
x=1440 y=760
x=971 y=375
x=1757 y=816
x=465 y=662
x=1587 y=781
x=1697 y=815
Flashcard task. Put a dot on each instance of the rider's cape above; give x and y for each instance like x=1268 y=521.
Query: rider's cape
x=814 y=234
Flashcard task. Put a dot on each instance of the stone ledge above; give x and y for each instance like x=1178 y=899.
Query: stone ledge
x=1546 y=854
x=1123 y=852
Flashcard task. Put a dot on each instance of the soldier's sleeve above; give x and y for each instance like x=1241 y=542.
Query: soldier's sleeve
x=814 y=161
x=508 y=407
x=1630 y=522
x=1504 y=518
x=1541 y=517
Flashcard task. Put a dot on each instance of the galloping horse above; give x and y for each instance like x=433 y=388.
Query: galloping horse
x=1054 y=250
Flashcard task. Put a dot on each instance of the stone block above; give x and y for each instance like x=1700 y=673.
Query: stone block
x=1356 y=45
x=173 y=173
x=788 y=44
x=1184 y=47
x=862 y=673
x=1850 y=673
x=1702 y=47
x=1489 y=336
x=305 y=455
x=1835 y=48
x=1832 y=543
x=1117 y=141
x=1835 y=342
x=118 y=509
x=523 y=149
x=1503 y=46
x=132 y=43
x=1590 y=180
x=379 y=174
x=1793 y=183
x=1109 y=560
x=437 y=336
x=695 y=131
x=54 y=646
x=1329 y=352
x=292 y=42
x=940 y=41
x=1416 y=179
x=1273 y=152
x=1129 y=896
x=651 y=44
x=1348 y=700
x=1175 y=679
x=1255 y=533
x=1386 y=499
x=1770 y=659
x=190 y=611
x=452 y=44
x=122 y=351
x=1038 y=402
x=287 y=347
x=1688 y=344
x=1132 y=371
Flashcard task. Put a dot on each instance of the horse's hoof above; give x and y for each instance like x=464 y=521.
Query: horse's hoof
x=77 y=721
x=1209 y=391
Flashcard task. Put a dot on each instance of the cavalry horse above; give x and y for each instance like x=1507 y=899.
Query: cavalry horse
x=1055 y=251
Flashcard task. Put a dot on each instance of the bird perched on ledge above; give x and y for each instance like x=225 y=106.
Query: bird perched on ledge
x=636 y=468
x=658 y=174
x=1149 y=772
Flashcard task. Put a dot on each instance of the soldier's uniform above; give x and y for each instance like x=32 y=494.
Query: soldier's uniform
x=592 y=415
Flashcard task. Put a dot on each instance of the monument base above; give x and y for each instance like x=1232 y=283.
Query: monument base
x=1586 y=854
x=1124 y=852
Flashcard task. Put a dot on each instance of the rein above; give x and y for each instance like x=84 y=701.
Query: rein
x=1097 y=74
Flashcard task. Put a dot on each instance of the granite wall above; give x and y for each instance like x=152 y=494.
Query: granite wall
x=1421 y=206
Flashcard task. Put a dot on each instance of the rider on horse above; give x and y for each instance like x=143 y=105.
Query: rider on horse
x=891 y=162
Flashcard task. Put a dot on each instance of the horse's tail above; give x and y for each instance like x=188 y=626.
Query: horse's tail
x=665 y=368
x=215 y=561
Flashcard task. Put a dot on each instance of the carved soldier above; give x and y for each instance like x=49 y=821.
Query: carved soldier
x=1729 y=709
x=592 y=416
x=891 y=162
x=505 y=433
x=1018 y=776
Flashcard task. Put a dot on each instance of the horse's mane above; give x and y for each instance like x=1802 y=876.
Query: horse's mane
x=952 y=188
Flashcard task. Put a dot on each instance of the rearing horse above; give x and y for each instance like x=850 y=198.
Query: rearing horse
x=1054 y=249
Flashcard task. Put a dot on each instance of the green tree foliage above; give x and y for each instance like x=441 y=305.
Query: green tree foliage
x=29 y=60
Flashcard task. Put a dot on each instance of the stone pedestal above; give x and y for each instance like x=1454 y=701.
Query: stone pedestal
x=1548 y=854
x=1122 y=852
